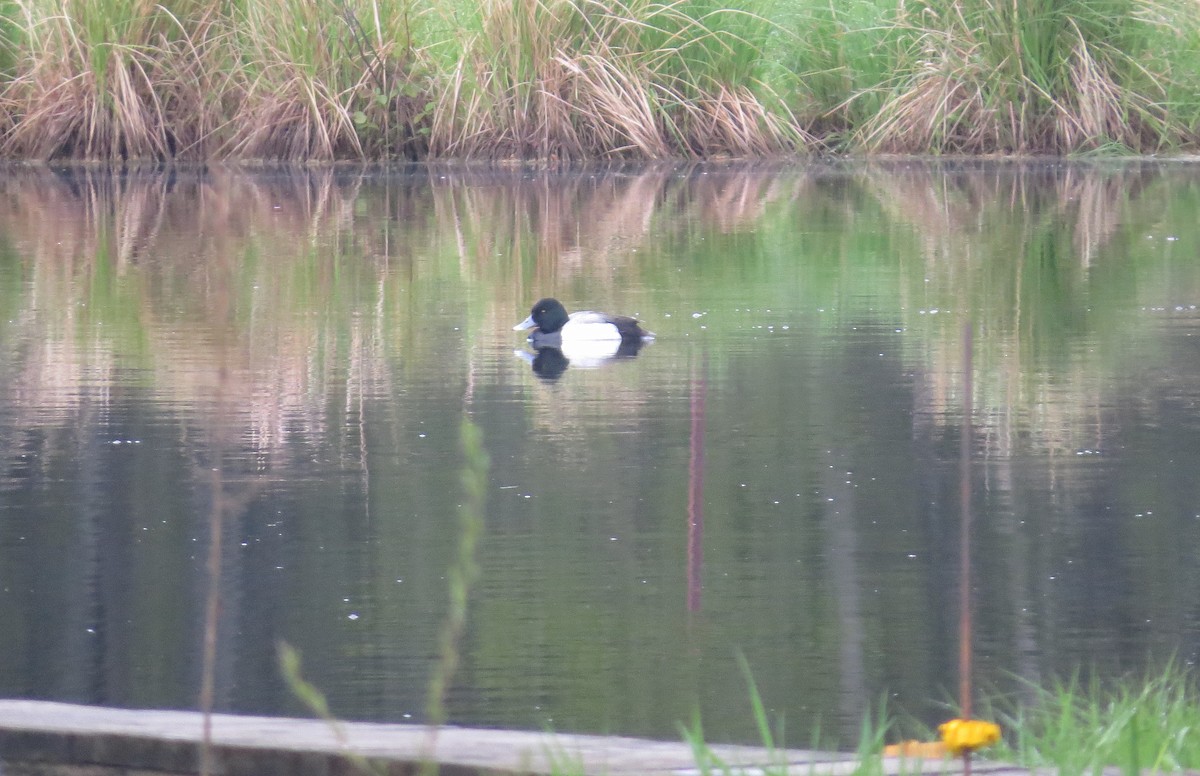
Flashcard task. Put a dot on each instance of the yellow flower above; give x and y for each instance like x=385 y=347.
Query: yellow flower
x=967 y=735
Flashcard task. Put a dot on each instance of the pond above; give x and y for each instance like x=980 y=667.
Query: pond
x=282 y=364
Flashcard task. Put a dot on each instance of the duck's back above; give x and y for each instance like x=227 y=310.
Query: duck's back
x=589 y=325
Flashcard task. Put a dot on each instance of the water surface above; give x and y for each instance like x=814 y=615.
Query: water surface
x=776 y=476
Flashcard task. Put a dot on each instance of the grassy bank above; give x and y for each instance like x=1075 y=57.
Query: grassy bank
x=579 y=79
x=1134 y=725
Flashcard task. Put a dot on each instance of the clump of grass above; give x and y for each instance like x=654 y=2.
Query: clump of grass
x=983 y=76
x=289 y=80
x=581 y=78
x=834 y=60
x=1137 y=725
x=319 y=81
x=88 y=80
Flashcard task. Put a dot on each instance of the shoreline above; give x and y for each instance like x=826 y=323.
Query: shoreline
x=572 y=80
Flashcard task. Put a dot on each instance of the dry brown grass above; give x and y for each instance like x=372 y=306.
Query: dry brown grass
x=134 y=79
x=294 y=93
x=565 y=80
x=570 y=79
x=88 y=84
x=979 y=81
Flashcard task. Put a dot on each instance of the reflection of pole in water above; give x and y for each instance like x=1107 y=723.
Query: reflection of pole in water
x=695 y=527
x=839 y=508
x=964 y=550
x=212 y=605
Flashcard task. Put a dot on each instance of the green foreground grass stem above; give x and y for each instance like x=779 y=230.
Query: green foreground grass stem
x=464 y=570
x=462 y=573
x=869 y=750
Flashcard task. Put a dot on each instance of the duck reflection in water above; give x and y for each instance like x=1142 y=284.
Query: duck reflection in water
x=586 y=339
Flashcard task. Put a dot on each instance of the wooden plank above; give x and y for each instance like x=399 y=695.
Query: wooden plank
x=57 y=738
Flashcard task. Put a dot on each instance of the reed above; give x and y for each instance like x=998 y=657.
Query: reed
x=292 y=80
x=980 y=76
x=321 y=80
x=572 y=79
x=581 y=79
x=88 y=80
x=832 y=62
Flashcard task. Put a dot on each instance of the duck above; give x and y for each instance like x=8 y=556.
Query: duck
x=553 y=327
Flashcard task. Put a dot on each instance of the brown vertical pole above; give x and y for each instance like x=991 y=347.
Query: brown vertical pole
x=964 y=504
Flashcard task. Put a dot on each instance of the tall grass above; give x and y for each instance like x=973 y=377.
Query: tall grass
x=291 y=80
x=320 y=80
x=586 y=78
x=1139 y=725
x=576 y=79
x=985 y=76
x=89 y=80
